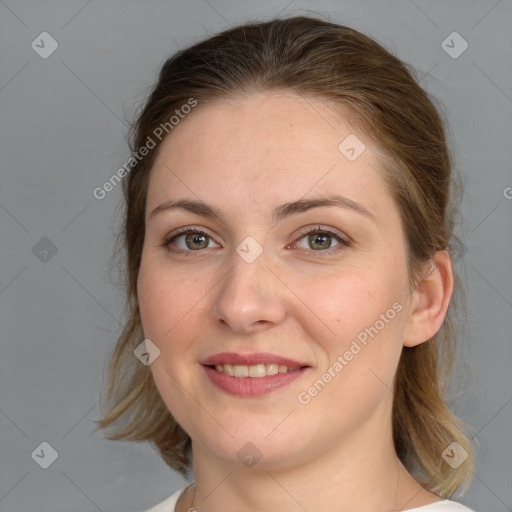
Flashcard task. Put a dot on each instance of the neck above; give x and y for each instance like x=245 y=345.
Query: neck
x=362 y=474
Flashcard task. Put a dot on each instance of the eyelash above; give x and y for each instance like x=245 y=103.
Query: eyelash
x=318 y=230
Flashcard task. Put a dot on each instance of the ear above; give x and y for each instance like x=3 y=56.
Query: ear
x=430 y=301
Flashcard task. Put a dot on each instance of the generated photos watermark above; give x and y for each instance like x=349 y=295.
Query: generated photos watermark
x=158 y=133
x=342 y=360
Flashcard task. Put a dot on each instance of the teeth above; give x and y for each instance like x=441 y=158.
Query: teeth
x=240 y=371
x=256 y=370
x=272 y=369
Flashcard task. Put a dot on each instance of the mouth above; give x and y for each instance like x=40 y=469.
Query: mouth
x=255 y=370
x=252 y=375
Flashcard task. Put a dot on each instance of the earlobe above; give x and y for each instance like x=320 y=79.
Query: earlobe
x=430 y=301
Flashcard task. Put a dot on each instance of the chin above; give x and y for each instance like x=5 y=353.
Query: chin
x=263 y=447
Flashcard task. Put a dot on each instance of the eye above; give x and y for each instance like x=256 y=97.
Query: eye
x=194 y=239
x=320 y=239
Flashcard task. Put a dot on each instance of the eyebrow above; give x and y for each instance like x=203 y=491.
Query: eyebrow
x=280 y=212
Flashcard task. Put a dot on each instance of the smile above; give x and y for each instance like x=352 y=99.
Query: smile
x=255 y=370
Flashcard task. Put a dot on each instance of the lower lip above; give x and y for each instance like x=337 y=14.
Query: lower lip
x=252 y=386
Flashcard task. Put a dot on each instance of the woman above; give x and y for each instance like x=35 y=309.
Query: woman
x=287 y=235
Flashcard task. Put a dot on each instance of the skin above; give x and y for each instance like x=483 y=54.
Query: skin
x=246 y=156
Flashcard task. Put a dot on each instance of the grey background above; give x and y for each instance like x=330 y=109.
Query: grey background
x=62 y=135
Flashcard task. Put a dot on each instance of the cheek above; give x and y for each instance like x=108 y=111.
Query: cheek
x=359 y=360
x=165 y=299
x=350 y=302
x=365 y=315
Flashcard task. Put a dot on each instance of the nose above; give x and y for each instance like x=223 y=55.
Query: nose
x=250 y=297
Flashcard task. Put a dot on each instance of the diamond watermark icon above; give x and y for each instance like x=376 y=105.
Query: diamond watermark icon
x=249 y=455
x=45 y=455
x=249 y=249
x=146 y=352
x=454 y=455
x=351 y=147
x=44 y=45
x=44 y=250
x=454 y=45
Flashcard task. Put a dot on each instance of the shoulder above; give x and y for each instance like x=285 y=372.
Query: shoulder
x=169 y=503
x=442 y=506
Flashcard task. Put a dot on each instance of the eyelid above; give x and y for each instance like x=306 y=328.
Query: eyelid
x=344 y=241
x=185 y=230
x=323 y=229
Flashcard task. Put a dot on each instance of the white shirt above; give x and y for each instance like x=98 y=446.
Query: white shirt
x=169 y=505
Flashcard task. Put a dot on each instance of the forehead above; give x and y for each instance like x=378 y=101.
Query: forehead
x=268 y=147
x=263 y=124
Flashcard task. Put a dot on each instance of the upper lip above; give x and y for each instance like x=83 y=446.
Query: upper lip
x=250 y=359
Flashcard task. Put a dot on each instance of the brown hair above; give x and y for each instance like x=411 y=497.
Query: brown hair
x=314 y=58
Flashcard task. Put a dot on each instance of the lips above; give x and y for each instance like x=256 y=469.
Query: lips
x=251 y=360
x=252 y=375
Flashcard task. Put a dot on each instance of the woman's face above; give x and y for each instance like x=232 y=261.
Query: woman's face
x=259 y=281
